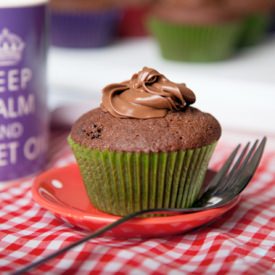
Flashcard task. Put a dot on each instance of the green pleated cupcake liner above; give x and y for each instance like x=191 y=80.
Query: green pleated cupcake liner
x=254 y=30
x=193 y=43
x=120 y=183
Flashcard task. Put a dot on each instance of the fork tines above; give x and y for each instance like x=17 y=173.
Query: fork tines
x=236 y=174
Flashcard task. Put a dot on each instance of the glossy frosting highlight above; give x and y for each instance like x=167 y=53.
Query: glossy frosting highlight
x=148 y=94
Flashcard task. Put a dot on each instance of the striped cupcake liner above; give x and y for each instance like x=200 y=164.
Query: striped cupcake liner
x=120 y=183
x=194 y=43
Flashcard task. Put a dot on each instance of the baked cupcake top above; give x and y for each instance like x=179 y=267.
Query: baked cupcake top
x=147 y=113
x=135 y=3
x=194 y=11
x=249 y=6
x=81 y=5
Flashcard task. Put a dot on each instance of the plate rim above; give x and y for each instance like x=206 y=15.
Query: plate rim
x=77 y=214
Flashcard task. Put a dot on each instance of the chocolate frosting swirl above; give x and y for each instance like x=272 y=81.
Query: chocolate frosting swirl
x=148 y=94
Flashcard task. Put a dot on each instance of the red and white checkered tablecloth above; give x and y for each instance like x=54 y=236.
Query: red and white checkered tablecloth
x=240 y=242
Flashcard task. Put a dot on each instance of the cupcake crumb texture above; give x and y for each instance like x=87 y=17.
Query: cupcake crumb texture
x=93 y=130
x=176 y=131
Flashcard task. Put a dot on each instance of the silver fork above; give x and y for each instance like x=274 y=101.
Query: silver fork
x=227 y=184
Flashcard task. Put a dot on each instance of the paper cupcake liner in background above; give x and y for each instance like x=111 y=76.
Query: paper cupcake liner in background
x=133 y=21
x=84 y=30
x=196 y=43
x=120 y=183
x=254 y=30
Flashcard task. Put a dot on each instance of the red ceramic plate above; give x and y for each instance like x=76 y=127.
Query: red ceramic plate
x=62 y=192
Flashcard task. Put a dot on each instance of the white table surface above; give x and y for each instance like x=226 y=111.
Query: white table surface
x=240 y=92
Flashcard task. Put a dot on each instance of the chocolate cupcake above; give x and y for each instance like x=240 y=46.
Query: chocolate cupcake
x=257 y=16
x=145 y=147
x=84 y=23
x=201 y=30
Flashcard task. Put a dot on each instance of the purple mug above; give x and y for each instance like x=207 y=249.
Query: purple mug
x=23 y=93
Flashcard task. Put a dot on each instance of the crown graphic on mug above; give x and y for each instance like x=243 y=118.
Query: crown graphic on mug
x=11 y=48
